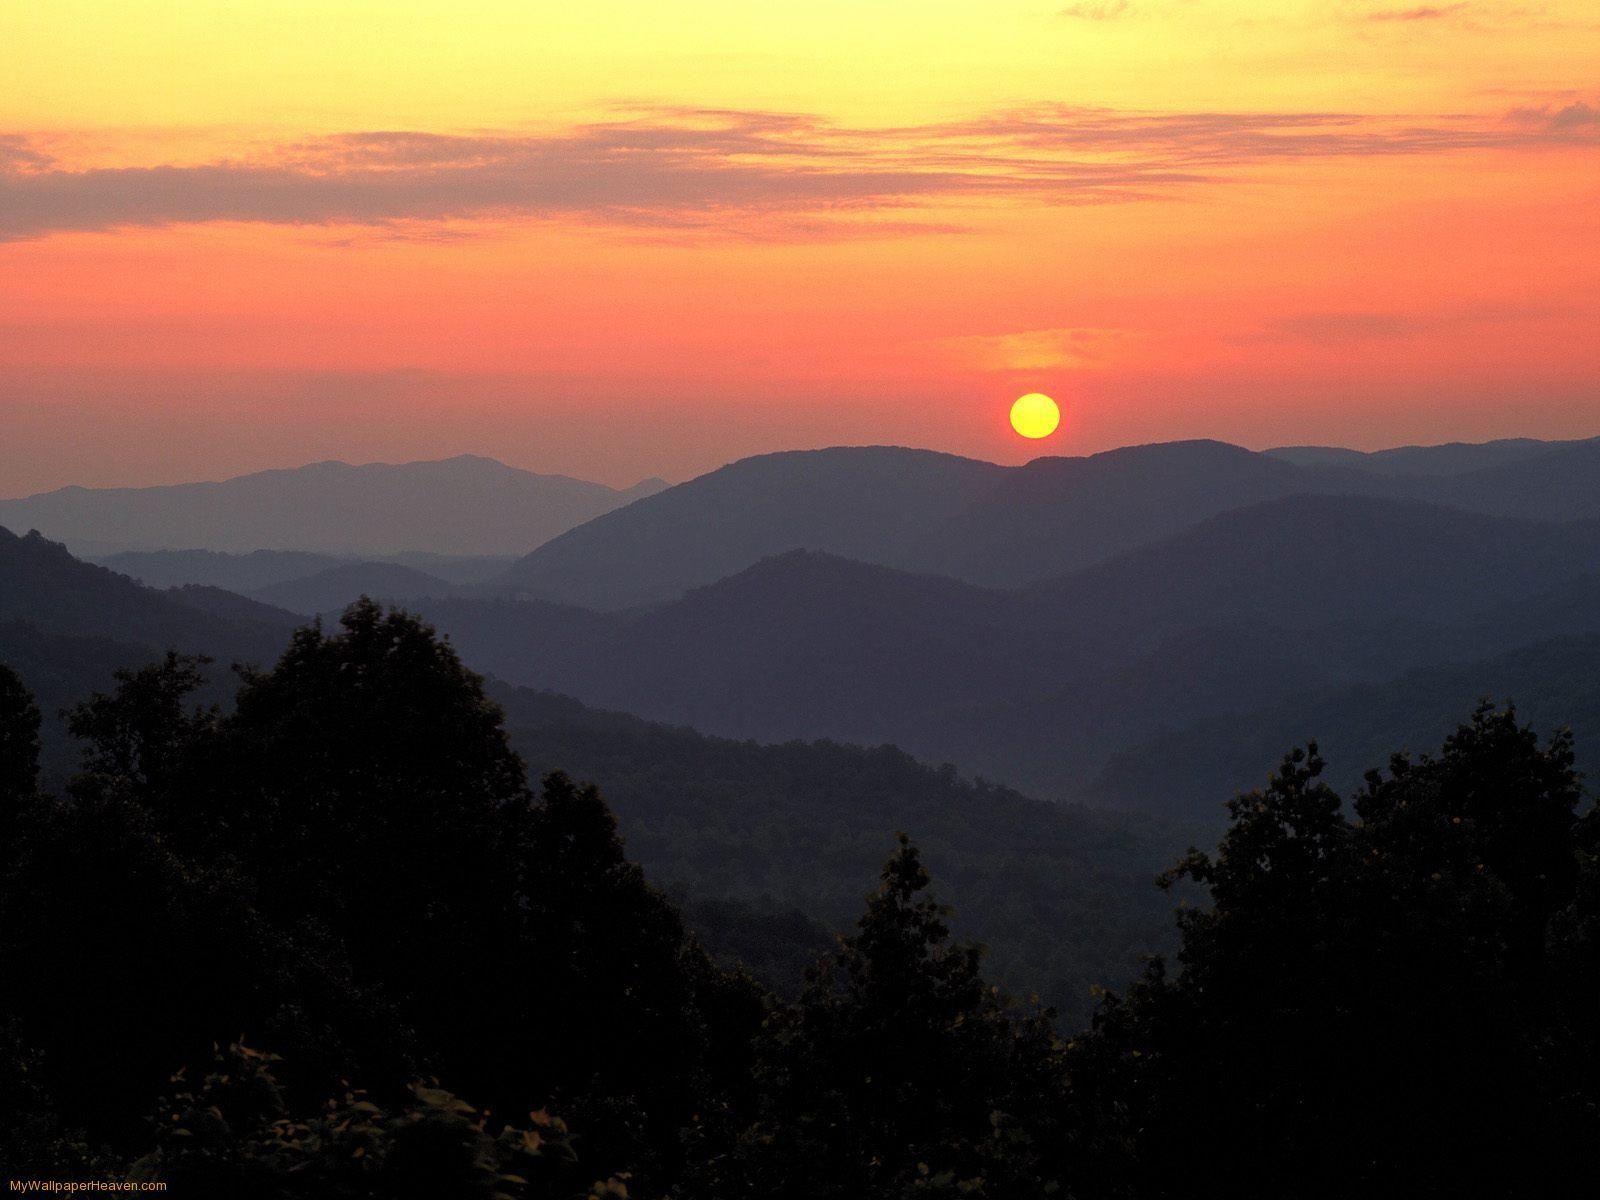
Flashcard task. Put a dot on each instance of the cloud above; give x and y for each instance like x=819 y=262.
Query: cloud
x=1096 y=10
x=1378 y=325
x=1425 y=12
x=16 y=154
x=1576 y=117
x=1076 y=348
x=785 y=176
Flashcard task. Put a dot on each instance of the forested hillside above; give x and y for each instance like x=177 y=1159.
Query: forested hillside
x=357 y=954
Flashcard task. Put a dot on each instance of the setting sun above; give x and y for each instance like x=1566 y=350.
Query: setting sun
x=1035 y=415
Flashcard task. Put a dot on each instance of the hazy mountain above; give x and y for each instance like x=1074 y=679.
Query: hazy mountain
x=799 y=825
x=263 y=568
x=1042 y=685
x=478 y=568
x=1562 y=481
x=463 y=506
x=870 y=503
x=1451 y=458
x=908 y=509
x=1057 y=515
x=1304 y=561
x=335 y=588
x=44 y=585
x=1188 y=773
x=217 y=568
x=236 y=609
x=1008 y=526
x=67 y=625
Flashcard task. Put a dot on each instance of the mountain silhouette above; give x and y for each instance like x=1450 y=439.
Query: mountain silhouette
x=1188 y=773
x=869 y=502
x=216 y=568
x=1450 y=458
x=332 y=589
x=462 y=505
x=909 y=509
x=1042 y=684
x=1010 y=526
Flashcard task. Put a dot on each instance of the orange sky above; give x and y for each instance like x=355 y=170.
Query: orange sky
x=621 y=239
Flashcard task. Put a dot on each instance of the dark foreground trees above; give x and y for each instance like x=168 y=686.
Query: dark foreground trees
x=1395 y=1000
x=330 y=944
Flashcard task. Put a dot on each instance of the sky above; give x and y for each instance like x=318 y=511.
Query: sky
x=620 y=239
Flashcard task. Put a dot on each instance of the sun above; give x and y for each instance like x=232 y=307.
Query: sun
x=1035 y=415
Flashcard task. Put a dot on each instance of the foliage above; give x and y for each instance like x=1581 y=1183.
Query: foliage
x=1059 y=894
x=900 y=1071
x=351 y=867
x=1398 y=1000
x=1394 y=995
x=232 y=1133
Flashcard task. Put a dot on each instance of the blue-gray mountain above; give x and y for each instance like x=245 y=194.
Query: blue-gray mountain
x=464 y=506
x=1008 y=526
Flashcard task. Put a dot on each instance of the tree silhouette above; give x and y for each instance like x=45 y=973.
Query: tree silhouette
x=900 y=1071
x=1396 y=1002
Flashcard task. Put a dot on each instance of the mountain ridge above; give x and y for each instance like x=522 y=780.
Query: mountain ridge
x=466 y=504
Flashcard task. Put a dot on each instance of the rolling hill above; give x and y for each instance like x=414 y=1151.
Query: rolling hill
x=1044 y=684
x=1187 y=773
x=747 y=834
x=66 y=626
x=869 y=503
x=336 y=587
x=908 y=509
x=1011 y=526
x=461 y=506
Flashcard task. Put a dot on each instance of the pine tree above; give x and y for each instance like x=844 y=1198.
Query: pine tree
x=899 y=1071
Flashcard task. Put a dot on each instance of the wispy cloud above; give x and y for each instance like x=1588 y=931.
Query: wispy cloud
x=1424 y=12
x=1576 y=117
x=732 y=173
x=1076 y=348
x=1382 y=325
x=1096 y=10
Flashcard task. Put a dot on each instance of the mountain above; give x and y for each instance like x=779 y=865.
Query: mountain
x=867 y=502
x=460 y=506
x=767 y=828
x=1562 y=481
x=215 y=568
x=1042 y=685
x=801 y=825
x=44 y=585
x=1310 y=560
x=263 y=568
x=1010 y=526
x=1185 y=774
x=335 y=588
x=1058 y=515
x=908 y=509
x=67 y=625
x=1451 y=458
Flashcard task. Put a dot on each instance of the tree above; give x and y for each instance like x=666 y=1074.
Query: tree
x=350 y=866
x=899 y=1071
x=1383 y=1003
x=232 y=1132
x=19 y=742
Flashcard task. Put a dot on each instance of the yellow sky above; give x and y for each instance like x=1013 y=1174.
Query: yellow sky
x=786 y=223
x=316 y=65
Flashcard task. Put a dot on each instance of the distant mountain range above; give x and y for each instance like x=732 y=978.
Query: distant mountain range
x=1042 y=685
x=1067 y=626
x=796 y=826
x=466 y=506
x=996 y=526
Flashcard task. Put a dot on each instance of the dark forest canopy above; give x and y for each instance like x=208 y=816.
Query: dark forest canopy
x=329 y=942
